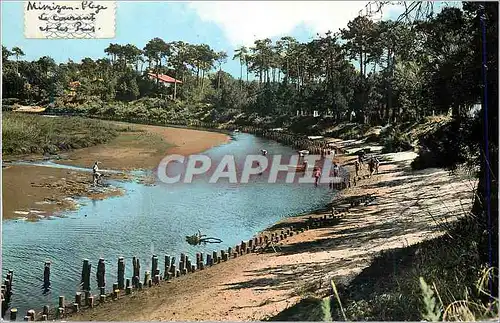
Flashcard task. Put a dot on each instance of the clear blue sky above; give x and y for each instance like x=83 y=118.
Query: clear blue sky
x=221 y=25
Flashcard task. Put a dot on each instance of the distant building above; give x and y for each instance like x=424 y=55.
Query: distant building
x=165 y=79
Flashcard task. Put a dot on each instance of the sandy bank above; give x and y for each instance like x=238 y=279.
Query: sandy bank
x=34 y=192
x=145 y=147
x=409 y=207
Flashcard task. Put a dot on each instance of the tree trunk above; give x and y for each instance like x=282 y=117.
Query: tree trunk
x=241 y=75
x=218 y=79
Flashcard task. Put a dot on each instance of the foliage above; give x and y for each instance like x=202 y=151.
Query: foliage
x=33 y=134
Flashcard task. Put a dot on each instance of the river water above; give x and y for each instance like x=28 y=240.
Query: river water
x=148 y=220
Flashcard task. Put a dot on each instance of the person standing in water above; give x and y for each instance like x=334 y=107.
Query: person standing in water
x=317 y=175
x=96 y=176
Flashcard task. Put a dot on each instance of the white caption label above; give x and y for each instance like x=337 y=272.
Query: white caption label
x=69 y=19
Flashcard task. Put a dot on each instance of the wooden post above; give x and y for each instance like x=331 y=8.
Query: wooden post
x=76 y=309
x=102 y=291
x=173 y=271
x=154 y=264
x=31 y=315
x=167 y=266
x=127 y=283
x=44 y=317
x=13 y=314
x=86 y=269
x=223 y=255
x=101 y=273
x=209 y=260
x=214 y=257
x=102 y=299
x=128 y=290
x=115 y=293
x=172 y=265
x=46 y=310
x=115 y=286
x=121 y=273
x=147 y=278
x=61 y=301
x=60 y=312
x=78 y=298
x=91 y=301
x=46 y=276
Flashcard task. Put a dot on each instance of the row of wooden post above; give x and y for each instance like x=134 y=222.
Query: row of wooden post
x=6 y=291
x=171 y=270
x=84 y=298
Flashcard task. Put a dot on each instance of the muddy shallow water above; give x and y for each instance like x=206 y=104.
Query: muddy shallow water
x=148 y=220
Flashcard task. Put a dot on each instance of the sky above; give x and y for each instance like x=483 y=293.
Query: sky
x=223 y=25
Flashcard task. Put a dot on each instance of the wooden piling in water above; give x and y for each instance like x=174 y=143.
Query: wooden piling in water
x=121 y=273
x=209 y=261
x=115 y=286
x=86 y=269
x=127 y=283
x=214 y=257
x=61 y=301
x=102 y=291
x=44 y=317
x=13 y=314
x=128 y=290
x=101 y=273
x=46 y=310
x=102 y=299
x=76 y=308
x=46 y=275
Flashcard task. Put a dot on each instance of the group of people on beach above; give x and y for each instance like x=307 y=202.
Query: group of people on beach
x=373 y=164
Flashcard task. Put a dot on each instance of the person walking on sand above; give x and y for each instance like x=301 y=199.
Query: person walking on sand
x=356 y=167
x=96 y=176
x=371 y=166
x=377 y=164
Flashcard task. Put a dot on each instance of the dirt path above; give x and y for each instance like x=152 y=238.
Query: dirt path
x=409 y=207
x=35 y=192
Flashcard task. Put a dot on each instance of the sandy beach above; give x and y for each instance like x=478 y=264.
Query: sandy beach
x=34 y=192
x=408 y=207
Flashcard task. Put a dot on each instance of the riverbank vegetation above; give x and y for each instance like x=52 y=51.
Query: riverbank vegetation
x=388 y=75
x=34 y=134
